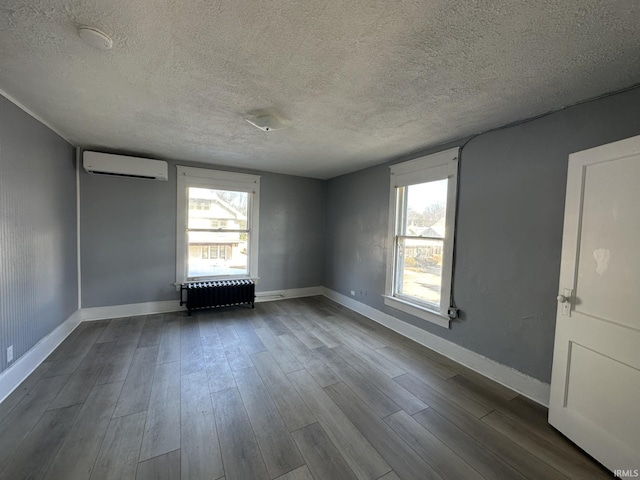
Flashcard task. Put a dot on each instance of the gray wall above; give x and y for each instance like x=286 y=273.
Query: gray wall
x=38 y=268
x=511 y=208
x=128 y=234
x=292 y=226
x=127 y=240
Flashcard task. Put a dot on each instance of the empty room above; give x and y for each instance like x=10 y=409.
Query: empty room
x=309 y=240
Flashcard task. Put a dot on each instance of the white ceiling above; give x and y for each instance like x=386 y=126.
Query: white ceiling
x=361 y=81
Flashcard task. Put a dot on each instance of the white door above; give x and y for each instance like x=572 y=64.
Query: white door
x=595 y=385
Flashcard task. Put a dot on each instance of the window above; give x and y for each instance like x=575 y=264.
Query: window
x=217 y=225
x=199 y=204
x=421 y=223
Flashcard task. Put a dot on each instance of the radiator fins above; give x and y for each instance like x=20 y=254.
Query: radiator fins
x=221 y=293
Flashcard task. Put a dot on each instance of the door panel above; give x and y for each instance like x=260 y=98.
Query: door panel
x=595 y=385
x=607 y=283
x=601 y=406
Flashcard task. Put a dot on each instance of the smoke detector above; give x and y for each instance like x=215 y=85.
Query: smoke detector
x=266 y=122
x=95 y=37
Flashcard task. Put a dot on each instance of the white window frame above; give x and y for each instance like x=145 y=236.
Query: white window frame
x=218 y=180
x=430 y=168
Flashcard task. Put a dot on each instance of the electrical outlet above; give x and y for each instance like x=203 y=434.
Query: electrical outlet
x=353 y=293
x=10 y=354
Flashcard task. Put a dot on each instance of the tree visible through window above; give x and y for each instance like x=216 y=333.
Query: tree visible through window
x=421 y=223
x=420 y=240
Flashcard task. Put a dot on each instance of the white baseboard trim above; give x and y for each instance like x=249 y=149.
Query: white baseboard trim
x=13 y=376
x=130 y=310
x=509 y=377
x=148 y=308
x=290 y=293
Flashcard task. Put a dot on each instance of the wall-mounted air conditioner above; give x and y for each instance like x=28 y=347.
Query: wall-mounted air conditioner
x=122 y=166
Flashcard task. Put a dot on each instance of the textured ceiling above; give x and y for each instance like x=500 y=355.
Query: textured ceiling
x=360 y=81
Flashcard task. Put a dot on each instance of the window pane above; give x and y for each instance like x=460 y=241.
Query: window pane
x=215 y=253
x=419 y=269
x=210 y=208
x=426 y=206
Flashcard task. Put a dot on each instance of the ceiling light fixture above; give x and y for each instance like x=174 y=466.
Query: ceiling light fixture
x=95 y=37
x=265 y=121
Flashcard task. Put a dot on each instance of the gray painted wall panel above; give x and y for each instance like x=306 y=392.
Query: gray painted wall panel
x=128 y=236
x=127 y=240
x=356 y=237
x=511 y=210
x=38 y=267
x=292 y=224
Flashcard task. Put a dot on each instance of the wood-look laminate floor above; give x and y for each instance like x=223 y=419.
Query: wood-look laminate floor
x=295 y=390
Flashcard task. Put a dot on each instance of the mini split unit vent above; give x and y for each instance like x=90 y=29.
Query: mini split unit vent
x=119 y=165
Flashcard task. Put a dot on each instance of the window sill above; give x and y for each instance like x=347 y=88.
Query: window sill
x=220 y=278
x=215 y=279
x=416 y=310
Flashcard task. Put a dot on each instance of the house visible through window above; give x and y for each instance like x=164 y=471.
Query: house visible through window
x=422 y=199
x=420 y=239
x=217 y=224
